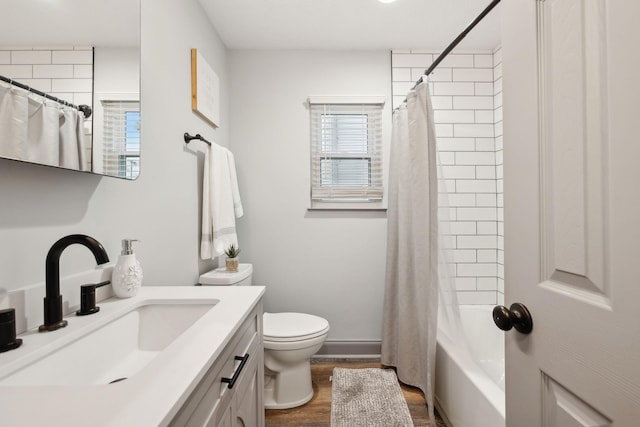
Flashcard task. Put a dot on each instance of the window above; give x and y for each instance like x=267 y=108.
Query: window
x=121 y=138
x=346 y=152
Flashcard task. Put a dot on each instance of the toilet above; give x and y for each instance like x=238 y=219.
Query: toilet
x=290 y=339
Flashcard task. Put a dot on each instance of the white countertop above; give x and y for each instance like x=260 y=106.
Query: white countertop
x=151 y=397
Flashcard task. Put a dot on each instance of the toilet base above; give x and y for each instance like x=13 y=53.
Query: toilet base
x=288 y=389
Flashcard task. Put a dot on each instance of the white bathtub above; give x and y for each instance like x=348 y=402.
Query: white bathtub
x=470 y=382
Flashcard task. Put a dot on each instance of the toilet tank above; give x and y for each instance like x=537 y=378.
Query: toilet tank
x=222 y=277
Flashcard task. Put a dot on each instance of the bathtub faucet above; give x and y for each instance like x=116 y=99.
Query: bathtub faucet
x=53 y=299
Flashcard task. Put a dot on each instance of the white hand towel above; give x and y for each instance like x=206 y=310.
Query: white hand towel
x=219 y=198
x=235 y=191
x=69 y=154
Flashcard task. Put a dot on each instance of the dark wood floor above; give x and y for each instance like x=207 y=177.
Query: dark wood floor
x=317 y=412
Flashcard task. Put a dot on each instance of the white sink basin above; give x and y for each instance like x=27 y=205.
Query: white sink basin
x=117 y=350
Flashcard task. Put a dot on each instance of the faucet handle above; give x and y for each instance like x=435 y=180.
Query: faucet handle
x=88 y=298
x=8 y=340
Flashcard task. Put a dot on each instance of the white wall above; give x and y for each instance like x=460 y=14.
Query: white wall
x=161 y=208
x=327 y=263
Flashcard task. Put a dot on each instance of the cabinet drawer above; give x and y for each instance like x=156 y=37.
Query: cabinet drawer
x=212 y=396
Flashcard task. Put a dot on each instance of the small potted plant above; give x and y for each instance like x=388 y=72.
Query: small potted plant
x=232 y=257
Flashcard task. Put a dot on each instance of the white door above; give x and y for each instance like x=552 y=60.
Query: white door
x=572 y=210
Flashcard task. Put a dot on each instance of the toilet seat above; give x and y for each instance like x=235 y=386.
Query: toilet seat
x=290 y=327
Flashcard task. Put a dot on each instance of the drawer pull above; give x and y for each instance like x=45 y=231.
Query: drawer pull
x=231 y=381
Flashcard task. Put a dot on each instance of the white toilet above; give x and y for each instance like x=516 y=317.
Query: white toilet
x=290 y=339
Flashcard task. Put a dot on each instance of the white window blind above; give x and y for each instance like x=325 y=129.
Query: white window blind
x=346 y=152
x=121 y=133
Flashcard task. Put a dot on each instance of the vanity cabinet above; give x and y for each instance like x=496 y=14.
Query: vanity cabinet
x=240 y=366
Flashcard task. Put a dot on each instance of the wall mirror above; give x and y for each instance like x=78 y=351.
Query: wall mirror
x=79 y=52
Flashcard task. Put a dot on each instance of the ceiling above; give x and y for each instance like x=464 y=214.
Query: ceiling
x=351 y=24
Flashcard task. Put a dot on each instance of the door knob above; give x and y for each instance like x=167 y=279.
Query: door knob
x=517 y=316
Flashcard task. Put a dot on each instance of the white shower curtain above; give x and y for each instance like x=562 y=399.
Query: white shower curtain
x=14 y=115
x=72 y=139
x=43 y=134
x=411 y=293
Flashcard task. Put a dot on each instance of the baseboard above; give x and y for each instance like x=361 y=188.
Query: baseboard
x=360 y=349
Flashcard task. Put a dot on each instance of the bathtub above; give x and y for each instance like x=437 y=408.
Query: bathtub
x=469 y=389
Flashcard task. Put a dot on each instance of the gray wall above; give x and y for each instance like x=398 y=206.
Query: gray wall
x=327 y=263
x=161 y=208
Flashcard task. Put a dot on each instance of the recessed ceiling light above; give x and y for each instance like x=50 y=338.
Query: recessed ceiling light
x=386 y=1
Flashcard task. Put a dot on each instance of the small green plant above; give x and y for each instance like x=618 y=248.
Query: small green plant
x=232 y=251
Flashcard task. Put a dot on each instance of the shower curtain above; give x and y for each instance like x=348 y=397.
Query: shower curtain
x=411 y=292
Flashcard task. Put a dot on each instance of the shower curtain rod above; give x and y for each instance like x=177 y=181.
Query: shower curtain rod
x=457 y=40
x=84 y=108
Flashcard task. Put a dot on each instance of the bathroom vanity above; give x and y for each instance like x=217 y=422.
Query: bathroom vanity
x=170 y=356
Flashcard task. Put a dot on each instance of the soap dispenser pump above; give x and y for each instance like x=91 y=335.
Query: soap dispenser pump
x=127 y=273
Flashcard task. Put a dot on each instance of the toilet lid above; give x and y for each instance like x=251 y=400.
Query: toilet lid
x=293 y=326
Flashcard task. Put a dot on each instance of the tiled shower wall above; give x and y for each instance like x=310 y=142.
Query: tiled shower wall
x=63 y=72
x=466 y=97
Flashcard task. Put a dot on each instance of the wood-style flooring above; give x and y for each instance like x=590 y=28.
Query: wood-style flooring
x=317 y=412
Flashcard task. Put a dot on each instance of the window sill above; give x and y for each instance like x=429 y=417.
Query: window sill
x=347 y=206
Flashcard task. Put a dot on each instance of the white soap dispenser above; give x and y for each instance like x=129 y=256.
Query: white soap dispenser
x=126 y=278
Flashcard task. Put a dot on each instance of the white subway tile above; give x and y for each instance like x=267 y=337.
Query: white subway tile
x=498 y=114
x=453 y=88
x=442 y=102
x=72 y=57
x=31 y=57
x=499 y=168
x=400 y=51
x=458 y=172
x=438 y=75
x=476 y=242
x=475 y=158
x=497 y=100
x=472 y=102
x=83 y=71
x=486 y=200
x=500 y=257
x=476 y=186
x=465 y=284
x=453 y=116
x=477 y=297
x=71 y=85
x=402 y=88
x=456 y=144
x=501 y=290
x=83 y=98
x=464 y=255
x=500 y=240
x=446 y=213
x=497 y=86
x=446 y=157
x=473 y=130
x=486 y=255
x=485 y=144
x=411 y=60
x=499 y=157
x=462 y=228
x=17 y=71
x=483 y=61
x=500 y=199
x=477 y=270
x=445 y=129
x=499 y=213
x=5 y=57
x=484 y=89
x=462 y=200
x=484 y=116
x=485 y=172
x=401 y=74
x=447 y=185
x=397 y=100
x=500 y=270
x=473 y=75
x=498 y=140
x=477 y=214
x=487 y=228
x=497 y=71
x=43 y=85
x=487 y=283
x=48 y=71
x=457 y=60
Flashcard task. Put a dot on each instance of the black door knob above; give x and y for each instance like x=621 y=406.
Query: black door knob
x=517 y=316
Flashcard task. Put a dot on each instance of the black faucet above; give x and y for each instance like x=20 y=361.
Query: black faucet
x=53 y=299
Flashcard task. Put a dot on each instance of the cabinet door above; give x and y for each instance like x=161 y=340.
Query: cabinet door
x=225 y=421
x=247 y=398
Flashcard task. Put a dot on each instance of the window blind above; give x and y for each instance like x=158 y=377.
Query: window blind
x=346 y=152
x=121 y=138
